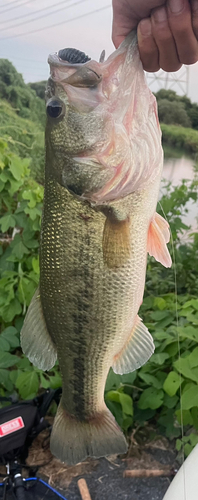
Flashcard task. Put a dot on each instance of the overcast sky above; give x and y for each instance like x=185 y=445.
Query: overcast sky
x=90 y=33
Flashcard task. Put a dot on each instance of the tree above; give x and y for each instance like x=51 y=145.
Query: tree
x=39 y=88
x=173 y=112
x=20 y=95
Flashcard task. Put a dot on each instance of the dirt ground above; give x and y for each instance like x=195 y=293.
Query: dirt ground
x=105 y=477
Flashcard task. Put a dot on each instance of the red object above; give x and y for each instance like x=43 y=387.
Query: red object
x=11 y=426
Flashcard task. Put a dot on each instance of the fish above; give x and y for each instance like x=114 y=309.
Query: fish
x=103 y=167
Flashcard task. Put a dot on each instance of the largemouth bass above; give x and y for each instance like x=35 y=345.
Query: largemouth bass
x=103 y=168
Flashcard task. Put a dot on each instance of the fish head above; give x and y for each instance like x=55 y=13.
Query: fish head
x=103 y=139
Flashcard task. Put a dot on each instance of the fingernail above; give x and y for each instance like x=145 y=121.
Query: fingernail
x=145 y=27
x=176 y=6
x=160 y=15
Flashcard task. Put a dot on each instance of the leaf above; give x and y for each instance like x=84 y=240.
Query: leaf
x=172 y=349
x=127 y=423
x=194 y=414
x=151 y=398
x=126 y=403
x=29 y=195
x=186 y=417
x=55 y=381
x=188 y=332
x=193 y=358
x=116 y=410
x=184 y=367
x=187 y=449
x=122 y=398
x=44 y=381
x=159 y=315
x=4 y=345
x=6 y=222
x=178 y=444
x=170 y=402
x=190 y=398
x=5 y=379
x=150 y=380
x=159 y=358
x=10 y=335
x=27 y=383
x=128 y=378
x=18 y=248
x=113 y=380
x=18 y=167
x=192 y=302
x=160 y=303
x=11 y=310
x=172 y=383
x=167 y=420
x=7 y=360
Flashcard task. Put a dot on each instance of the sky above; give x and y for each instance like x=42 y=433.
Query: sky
x=27 y=37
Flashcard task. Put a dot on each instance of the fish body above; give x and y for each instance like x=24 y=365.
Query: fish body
x=103 y=169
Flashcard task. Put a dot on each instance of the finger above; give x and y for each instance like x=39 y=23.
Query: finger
x=148 y=49
x=168 y=56
x=194 y=8
x=180 y=22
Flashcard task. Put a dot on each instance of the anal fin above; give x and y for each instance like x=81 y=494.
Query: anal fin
x=36 y=342
x=137 y=350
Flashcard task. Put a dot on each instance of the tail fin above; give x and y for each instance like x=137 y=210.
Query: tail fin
x=72 y=441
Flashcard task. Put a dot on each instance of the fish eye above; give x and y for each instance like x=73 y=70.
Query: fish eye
x=54 y=108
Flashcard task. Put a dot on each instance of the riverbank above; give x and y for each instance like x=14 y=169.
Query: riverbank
x=180 y=138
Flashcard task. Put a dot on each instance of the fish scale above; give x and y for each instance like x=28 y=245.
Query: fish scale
x=92 y=305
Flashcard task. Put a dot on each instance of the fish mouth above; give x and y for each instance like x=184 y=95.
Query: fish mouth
x=73 y=67
x=68 y=57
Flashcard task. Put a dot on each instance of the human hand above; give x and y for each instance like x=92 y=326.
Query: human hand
x=167 y=31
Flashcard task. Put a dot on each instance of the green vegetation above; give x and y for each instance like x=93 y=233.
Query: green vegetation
x=39 y=88
x=176 y=109
x=21 y=96
x=185 y=139
x=25 y=138
x=20 y=210
x=179 y=121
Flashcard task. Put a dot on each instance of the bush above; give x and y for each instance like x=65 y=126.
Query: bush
x=173 y=112
x=190 y=108
x=20 y=209
x=180 y=137
x=21 y=96
x=25 y=138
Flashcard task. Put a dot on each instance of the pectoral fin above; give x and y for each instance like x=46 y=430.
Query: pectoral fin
x=137 y=350
x=36 y=342
x=116 y=242
x=158 y=236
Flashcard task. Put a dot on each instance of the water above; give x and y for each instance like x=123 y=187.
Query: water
x=176 y=169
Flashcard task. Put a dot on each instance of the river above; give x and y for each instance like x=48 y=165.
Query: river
x=176 y=169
